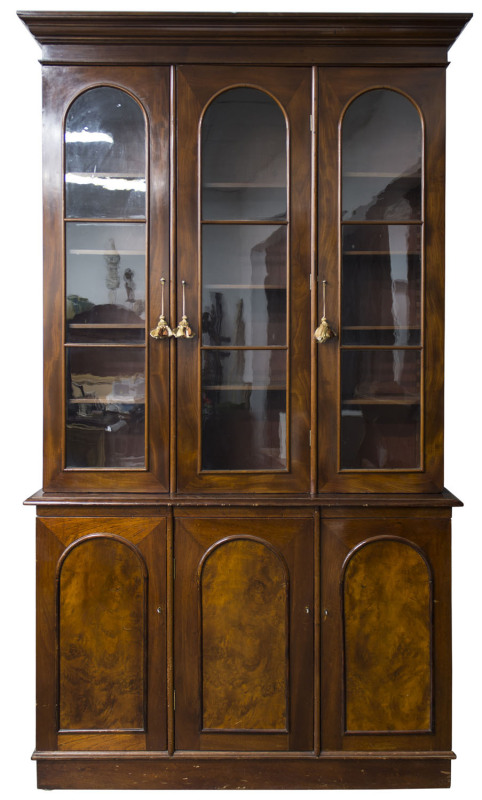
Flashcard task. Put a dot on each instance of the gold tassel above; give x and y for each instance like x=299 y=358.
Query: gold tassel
x=162 y=329
x=183 y=330
x=324 y=332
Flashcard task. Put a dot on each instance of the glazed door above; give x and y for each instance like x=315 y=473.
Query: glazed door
x=101 y=640
x=243 y=255
x=244 y=628
x=380 y=266
x=106 y=201
x=385 y=634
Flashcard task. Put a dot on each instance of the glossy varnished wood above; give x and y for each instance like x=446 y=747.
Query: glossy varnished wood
x=426 y=88
x=66 y=641
x=273 y=631
x=102 y=636
x=151 y=88
x=387 y=619
x=342 y=771
x=257 y=610
x=291 y=88
x=344 y=646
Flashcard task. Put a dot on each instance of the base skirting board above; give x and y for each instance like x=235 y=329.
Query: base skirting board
x=225 y=771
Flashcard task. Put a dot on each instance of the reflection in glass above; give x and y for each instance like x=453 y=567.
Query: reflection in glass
x=106 y=282
x=105 y=407
x=244 y=285
x=244 y=410
x=105 y=161
x=244 y=157
x=381 y=284
x=382 y=158
x=380 y=417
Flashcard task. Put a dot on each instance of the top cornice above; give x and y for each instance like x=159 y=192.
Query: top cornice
x=208 y=29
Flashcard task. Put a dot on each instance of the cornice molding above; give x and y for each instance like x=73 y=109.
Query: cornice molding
x=139 y=28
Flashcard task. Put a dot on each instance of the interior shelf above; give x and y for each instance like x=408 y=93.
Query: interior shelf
x=111 y=326
x=384 y=400
x=244 y=387
x=397 y=175
x=127 y=175
x=381 y=253
x=77 y=401
x=381 y=327
x=107 y=252
x=243 y=286
x=243 y=185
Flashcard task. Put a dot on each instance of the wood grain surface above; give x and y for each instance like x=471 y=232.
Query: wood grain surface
x=244 y=591
x=387 y=616
x=101 y=638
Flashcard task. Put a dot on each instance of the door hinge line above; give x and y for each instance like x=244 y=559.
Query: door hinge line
x=311 y=123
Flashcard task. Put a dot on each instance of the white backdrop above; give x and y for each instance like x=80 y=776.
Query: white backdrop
x=21 y=367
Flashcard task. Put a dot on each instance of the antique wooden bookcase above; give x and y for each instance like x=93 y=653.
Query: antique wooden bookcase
x=243 y=532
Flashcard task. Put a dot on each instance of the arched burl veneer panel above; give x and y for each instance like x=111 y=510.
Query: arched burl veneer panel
x=101 y=626
x=387 y=605
x=244 y=610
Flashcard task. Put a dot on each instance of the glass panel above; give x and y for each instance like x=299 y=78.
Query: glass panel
x=105 y=159
x=106 y=282
x=105 y=407
x=381 y=284
x=380 y=416
x=244 y=409
x=382 y=158
x=244 y=285
x=244 y=157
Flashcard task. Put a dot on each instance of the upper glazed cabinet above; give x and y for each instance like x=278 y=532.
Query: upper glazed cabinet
x=208 y=220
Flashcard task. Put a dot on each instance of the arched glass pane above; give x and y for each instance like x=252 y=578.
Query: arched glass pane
x=244 y=157
x=381 y=213
x=244 y=282
x=381 y=158
x=105 y=159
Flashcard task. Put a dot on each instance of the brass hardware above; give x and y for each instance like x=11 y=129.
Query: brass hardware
x=162 y=330
x=307 y=609
x=324 y=332
x=183 y=330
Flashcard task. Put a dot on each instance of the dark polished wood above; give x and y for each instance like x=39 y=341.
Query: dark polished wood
x=426 y=88
x=239 y=629
x=151 y=88
x=47 y=502
x=291 y=88
x=348 y=771
x=77 y=27
x=244 y=619
x=346 y=643
x=101 y=614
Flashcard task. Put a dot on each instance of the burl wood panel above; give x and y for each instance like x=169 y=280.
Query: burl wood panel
x=101 y=636
x=387 y=639
x=244 y=597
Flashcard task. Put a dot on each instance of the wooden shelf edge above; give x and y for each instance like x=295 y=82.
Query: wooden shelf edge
x=413 y=500
x=184 y=755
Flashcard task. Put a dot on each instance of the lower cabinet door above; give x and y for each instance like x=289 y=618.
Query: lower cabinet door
x=243 y=621
x=386 y=675
x=101 y=633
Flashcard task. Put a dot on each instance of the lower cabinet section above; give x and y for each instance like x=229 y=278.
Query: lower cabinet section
x=386 y=670
x=101 y=641
x=243 y=633
x=244 y=648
